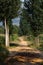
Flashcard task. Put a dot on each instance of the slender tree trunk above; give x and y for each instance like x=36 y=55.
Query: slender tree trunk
x=6 y=34
x=37 y=41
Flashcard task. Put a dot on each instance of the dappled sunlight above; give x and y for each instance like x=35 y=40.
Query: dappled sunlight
x=24 y=56
x=28 y=59
x=24 y=49
x=22 y=59
x=35 y=60
x=21 y=32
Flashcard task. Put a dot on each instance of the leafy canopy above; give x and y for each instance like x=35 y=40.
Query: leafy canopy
x=34 y=15
x=9 y=8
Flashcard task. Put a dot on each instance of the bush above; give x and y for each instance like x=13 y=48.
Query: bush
x=30 y=38
x=2 y=40
x=3 y=53
x=14 y=37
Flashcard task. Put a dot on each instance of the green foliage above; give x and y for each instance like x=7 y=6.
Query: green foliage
x=9 y=8
x=15 y=29
x=41 y=42
x=33 y=12
x=10 y=27
x=14 y=37
x=41 y=47
x=1 y=30
x=41 y=37
x=3 y=53
x=37 y=17
x=25 y=28
x=30 y=38
x=8 y=11
x=2 y=40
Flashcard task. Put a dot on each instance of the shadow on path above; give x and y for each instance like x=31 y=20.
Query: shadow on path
x=24 y=57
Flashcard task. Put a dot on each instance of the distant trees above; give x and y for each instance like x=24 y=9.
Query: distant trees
x=25 y=28
x=8 y=11
x=15 y=29
x=1 y=30
x=33 y=13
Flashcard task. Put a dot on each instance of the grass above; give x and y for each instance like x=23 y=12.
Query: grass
x=14 y=37
x=3 y=53
x=40 y=48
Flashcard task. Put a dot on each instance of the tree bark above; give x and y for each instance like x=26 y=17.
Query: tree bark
x=6 y=34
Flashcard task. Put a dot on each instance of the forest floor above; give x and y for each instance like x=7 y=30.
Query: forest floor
x=24 y=55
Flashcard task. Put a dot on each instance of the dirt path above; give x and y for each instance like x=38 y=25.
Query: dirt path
x=24 y=56
x=22 y=42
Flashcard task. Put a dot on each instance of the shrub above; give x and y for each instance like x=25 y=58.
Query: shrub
x=14 y=37
x=3 y=53
x=2 y=40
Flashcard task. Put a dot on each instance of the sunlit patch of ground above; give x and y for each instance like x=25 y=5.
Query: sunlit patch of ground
x=24 y=56
x=28 y=59
x=22 y=59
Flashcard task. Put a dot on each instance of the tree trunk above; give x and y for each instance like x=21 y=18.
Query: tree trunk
x=6 y=34
x=37 y=41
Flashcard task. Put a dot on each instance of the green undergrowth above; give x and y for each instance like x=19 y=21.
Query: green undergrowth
x=3 y=53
